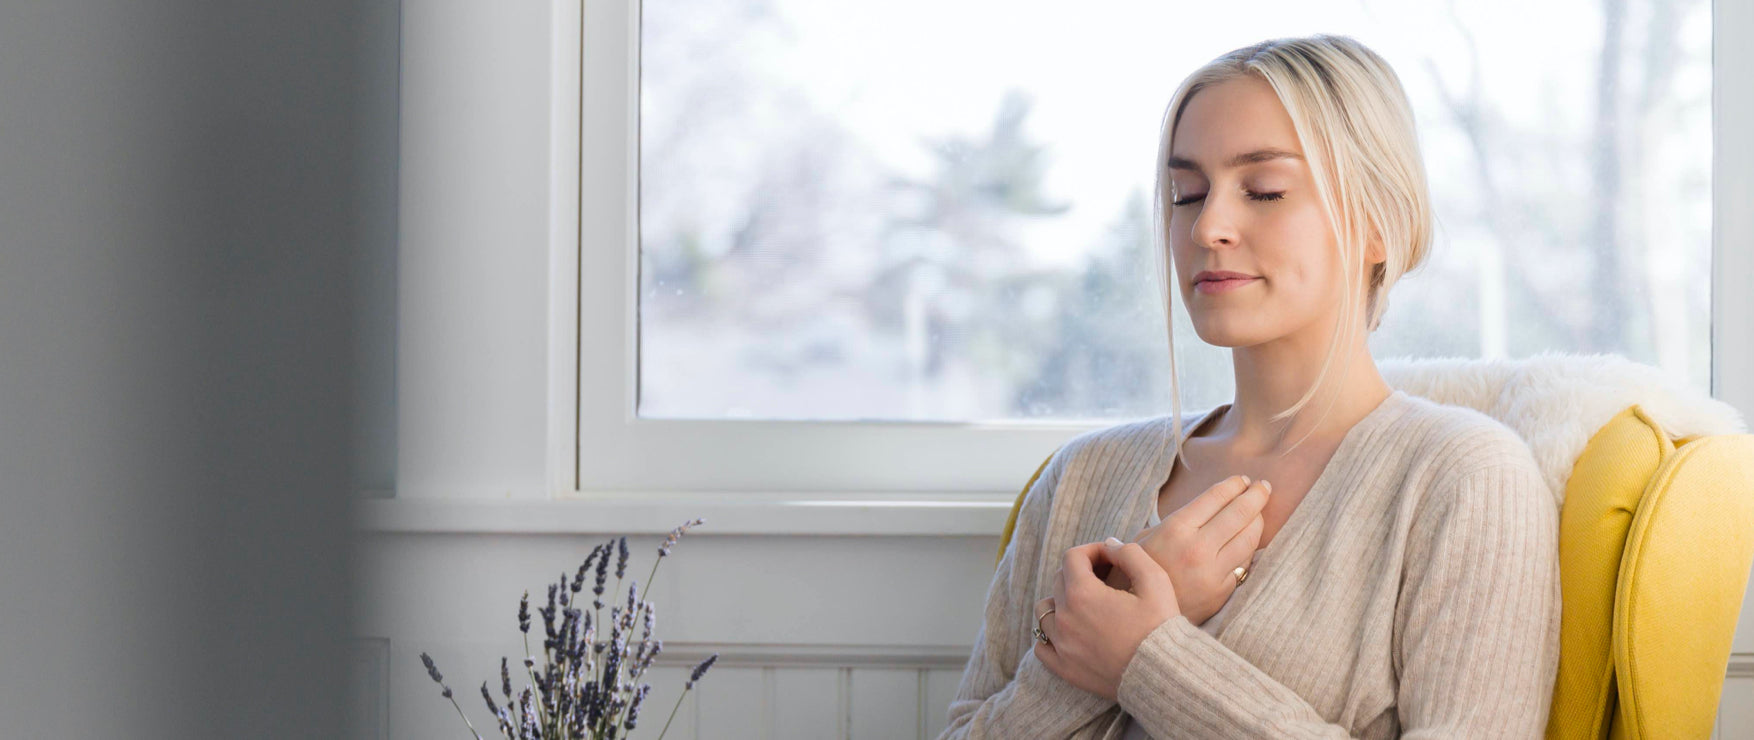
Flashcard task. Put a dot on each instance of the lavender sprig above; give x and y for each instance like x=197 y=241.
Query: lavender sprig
x=584 y=689
x=578 y=581
x=699 y=670
x=602 y=577
x=664 y=550
x=548 y=613
x=433 y=671
x=639 y=698
x=493 y=709
x=621 y=562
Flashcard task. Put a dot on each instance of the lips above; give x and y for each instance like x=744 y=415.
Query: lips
x=1223 y=285
x=1204 y=275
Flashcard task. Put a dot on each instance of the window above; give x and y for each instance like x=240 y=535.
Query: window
x=914 y=234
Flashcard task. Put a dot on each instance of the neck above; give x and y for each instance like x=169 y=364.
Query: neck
x=1272 y=376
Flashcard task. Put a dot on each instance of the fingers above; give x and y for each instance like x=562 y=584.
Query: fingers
x=1207 y=505
x=1046 y=623
x=1060 y=595
x=1241 y=548
x=1077 y=573
x=1077 y=569
x=1147 y=576
x=1046 y=651
x=1237 y=514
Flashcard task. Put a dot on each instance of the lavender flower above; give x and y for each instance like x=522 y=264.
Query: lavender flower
x=488 y=695
x=507 y=727
x=581 y=649
x=570 y=642
x=700 y=670
x=530 y=728
x=648 y=651
x=584 y=689
x=578 y=581
x=676 y=534
x=621 y=562
x=642 y=659
x=548 y=613
x=664 y=550
x=602 y=577
x=433 y=671
x=639 y=698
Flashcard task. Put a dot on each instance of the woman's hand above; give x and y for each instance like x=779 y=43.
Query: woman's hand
x=1201 y=544
x=1094 y=630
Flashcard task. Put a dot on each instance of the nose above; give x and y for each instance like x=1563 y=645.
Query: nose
x=1213 y=228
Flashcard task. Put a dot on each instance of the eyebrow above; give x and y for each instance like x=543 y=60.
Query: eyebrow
x=1254 y=157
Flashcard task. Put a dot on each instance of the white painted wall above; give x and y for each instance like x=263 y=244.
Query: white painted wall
x=472 y=344
x=823 y=634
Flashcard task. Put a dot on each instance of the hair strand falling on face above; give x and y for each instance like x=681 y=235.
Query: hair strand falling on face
x=1358 y=136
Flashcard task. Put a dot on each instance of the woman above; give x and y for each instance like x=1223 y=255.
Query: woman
x=1334 y=558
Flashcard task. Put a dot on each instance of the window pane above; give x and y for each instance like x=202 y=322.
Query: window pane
x=941 y=211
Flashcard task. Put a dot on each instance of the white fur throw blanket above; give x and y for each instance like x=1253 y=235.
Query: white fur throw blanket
x=1557 y=401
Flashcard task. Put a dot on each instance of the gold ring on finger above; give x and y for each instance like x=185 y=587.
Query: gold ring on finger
x=1041 y=636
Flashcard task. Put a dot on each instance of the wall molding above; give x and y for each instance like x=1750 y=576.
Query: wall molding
x=908 y=514
x=1741 y=666
x=845 y=655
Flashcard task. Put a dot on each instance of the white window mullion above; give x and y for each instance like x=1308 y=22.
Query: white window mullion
x=1732 y=330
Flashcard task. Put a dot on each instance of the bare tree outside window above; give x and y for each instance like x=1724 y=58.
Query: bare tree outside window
x=918 y=211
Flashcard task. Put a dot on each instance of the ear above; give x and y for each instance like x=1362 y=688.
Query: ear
x=1374 y=252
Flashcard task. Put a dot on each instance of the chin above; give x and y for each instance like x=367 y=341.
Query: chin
x=1231 y=334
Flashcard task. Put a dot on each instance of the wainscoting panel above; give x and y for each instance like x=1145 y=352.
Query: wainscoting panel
x=1735 y=708
x=818 y=637
x=885 y=703
x=736 y=703
x=666 y=684
x=809 y=702
x=940 y=688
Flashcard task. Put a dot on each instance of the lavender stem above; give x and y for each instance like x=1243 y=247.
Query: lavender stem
x=543 y=713
x=672 y=716
x=465 y=718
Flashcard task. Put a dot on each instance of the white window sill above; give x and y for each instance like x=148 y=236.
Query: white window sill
x=731 y=513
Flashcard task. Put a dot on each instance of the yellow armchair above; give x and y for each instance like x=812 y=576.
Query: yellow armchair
x=1656 y=532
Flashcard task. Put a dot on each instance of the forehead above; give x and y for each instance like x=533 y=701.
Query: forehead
x=1223 y=122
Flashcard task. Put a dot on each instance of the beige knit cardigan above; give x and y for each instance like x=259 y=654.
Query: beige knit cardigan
x=1414 y=592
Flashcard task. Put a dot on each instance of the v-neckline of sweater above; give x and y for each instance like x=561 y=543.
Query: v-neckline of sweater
x=1267 y=558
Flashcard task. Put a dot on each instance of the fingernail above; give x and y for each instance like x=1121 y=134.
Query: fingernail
x=1268 y=486
x=1112 y=542
x=1245 y=480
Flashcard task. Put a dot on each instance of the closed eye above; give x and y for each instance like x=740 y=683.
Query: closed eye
x=1266 y=197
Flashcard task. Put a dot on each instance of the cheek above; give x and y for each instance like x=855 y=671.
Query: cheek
x=1306 y=262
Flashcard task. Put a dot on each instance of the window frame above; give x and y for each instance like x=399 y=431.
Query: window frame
x=595 y=438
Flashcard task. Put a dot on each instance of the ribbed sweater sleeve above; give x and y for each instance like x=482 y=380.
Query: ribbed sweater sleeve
x=1000 y=696
x=1476 y=630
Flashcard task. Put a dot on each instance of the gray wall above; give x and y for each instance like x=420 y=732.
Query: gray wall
x=196 y=241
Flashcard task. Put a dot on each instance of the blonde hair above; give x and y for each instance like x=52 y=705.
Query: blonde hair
x=1356 y=128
